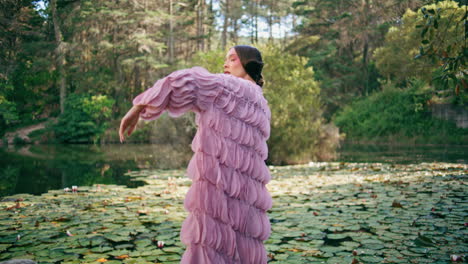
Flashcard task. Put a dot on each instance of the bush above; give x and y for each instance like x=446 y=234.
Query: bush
x=17 y=140
x=401 y=114
x=8 y=114
x=84 y=120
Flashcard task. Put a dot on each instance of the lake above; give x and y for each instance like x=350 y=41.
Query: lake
x=35 y=169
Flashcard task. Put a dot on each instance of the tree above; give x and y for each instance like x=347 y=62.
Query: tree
x=450 y=53
x=226 y=13
x=60 y=54
x=120 y=48
x=339 y=37
x=273 y=12
x=84 y=120
x=420 y=46
x=26 y=79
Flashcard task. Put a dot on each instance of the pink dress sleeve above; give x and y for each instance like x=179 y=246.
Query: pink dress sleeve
x=228 y=200
x=184 y=90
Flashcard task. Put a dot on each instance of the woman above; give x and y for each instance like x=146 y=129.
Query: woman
x=228 y=200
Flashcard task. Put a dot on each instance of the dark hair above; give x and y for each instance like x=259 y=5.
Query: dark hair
x=251 y=60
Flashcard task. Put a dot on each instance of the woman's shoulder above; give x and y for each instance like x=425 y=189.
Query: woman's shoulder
x=196 y=70
x=234 y=84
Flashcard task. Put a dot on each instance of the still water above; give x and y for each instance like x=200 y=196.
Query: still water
x=39 y=168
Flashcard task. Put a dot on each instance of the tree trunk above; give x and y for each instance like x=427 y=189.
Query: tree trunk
x=210 y=27
x=256 y=21
x=252 y=27
x=270 y=25
x=199 y=24
x=225 y=25
x=202 y=25
x=235 y=28
x=60 y=53
x=365 y=50
x=171 y=34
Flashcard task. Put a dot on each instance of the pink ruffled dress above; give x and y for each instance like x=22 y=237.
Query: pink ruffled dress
x=228 y=200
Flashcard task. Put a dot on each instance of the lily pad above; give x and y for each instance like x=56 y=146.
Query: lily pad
x=321 y=213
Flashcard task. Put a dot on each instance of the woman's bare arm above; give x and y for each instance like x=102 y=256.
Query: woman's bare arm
x=129 y=121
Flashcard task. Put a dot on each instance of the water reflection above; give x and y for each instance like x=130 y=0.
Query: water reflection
x=352 y=152
x=37 y=169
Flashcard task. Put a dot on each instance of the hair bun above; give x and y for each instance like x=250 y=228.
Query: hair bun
x=254 y=66
x=254 y=69
x=260 y=81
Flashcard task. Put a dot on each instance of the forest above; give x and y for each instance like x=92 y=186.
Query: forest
x=367 y=150
x=368 y=70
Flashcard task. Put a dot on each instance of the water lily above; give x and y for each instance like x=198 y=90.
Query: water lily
x=18 y=237
x=69 y=234
x=66 y=189
x=160 y=244
x=74 y=188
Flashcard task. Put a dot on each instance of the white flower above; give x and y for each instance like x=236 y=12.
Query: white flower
x=160 y=244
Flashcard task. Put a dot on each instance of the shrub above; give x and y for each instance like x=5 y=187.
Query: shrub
x=8 y=114
x=396 y=113
x=17 y=140
x=84 y=120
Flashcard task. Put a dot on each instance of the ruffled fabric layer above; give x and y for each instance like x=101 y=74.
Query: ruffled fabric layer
x=184 y=90
x=228 y=200
x=231 y=181
x=211 y=241
x=230 y=154
x=251 y=112
x=238 y=214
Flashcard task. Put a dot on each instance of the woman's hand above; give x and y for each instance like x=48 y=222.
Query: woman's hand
x=129 y=121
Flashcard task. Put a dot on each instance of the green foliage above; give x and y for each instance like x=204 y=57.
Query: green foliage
x=84 y=120
x=119 y=48
x=450 y=53
x=338 y=38
x=293 y=97
x=18 y=140
x=26 y=79
x=440 y=37
x=341 y=77
x=212 y=60
x=8 y=113
x=37 y=134
x=397 y=113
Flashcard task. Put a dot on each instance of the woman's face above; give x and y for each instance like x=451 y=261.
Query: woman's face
x=233 y=65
